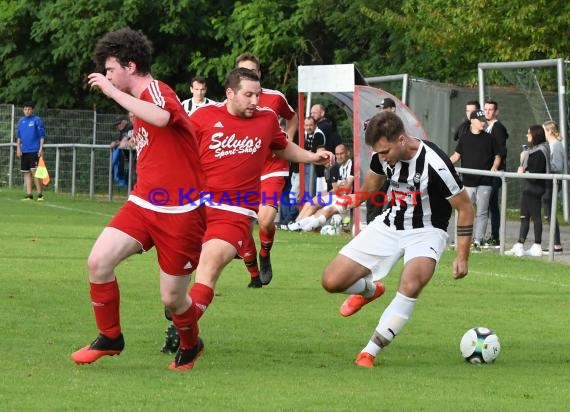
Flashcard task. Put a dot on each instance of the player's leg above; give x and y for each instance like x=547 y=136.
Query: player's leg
x=416 y=274
x=271 y=190
x=215 y=256
x=110 y=248
x=250 y=261
x=373 y=249
x=188 y=344
x=422 y=252
x=266 y=219
x=178 y=241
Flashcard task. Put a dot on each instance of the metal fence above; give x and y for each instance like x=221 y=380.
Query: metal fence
x=514 y=185
x=77 y=151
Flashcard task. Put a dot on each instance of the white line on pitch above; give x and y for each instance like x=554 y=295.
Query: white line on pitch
x=73 y=209
x=521 y=278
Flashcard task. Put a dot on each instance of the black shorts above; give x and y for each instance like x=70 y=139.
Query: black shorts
x=29 y=161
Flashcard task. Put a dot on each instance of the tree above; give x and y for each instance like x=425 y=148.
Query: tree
x=444 y=41
x=46 y=46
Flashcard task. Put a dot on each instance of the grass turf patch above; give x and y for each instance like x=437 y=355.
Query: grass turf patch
x=280 y=348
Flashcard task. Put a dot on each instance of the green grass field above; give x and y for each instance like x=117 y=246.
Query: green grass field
x=281 y=348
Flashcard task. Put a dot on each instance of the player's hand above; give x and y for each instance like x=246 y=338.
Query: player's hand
x=99 y=81
x=18 y=152
x=324 y=158
x=460 y=268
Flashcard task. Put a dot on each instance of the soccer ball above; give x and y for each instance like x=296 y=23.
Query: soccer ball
x=480 y=345
x=328 y=230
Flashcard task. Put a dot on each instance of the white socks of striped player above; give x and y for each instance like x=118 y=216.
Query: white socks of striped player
x=391 y=322
x=364 y=287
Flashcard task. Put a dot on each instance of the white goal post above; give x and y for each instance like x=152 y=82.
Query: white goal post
x=559 y=64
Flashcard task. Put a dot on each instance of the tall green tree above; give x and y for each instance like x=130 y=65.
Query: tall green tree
x=45 y=46
x=444 y=40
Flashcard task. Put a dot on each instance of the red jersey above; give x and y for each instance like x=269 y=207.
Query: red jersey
x=168 y=169
x=233 y=152
x=276 y=101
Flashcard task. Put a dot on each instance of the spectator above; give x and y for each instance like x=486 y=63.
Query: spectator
x=121 y=147
x=534 y=159
x=478 y=150
x=132 y=154
x=198 y=88
x=464 y=127
x=557 y=160
x=314 y=175
x=315 y=214
x=327 y=126
x=499 y=132
x=387 y=104
x=29 y=148
x=288 y=211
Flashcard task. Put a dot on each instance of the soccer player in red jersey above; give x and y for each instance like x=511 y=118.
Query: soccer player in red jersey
x=273 y=177
x=234 y=140
x=162 y=210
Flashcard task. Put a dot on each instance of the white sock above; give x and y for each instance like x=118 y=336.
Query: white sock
x=392 y=321
x=306 y=223
x=372 y=348
x=321 y=220
x=364 y=287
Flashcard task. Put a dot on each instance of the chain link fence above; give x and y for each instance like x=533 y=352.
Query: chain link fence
x=77 y=151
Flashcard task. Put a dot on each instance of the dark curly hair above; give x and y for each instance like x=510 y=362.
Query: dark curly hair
x=126 y=45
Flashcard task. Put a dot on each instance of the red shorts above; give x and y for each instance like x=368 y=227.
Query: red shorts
x=177 y=236
x=231 y=227
x=271 y=191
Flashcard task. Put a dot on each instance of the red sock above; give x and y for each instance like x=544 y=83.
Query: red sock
x=251 y=265
x=105 y=298
x=187 y=325
x=201 y=296
x=266 y=240
x=250 y=258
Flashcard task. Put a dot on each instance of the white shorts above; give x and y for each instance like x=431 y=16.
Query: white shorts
x=379 y=247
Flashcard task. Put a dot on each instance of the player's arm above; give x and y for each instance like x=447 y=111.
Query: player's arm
x=372 y=182
x=465 y=217
x=147 y=111
x=294 y=153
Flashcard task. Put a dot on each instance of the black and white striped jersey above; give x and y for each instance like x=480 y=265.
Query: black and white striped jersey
x=419 y=189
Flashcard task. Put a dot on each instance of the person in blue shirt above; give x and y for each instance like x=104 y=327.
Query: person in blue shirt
x=29 y=148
